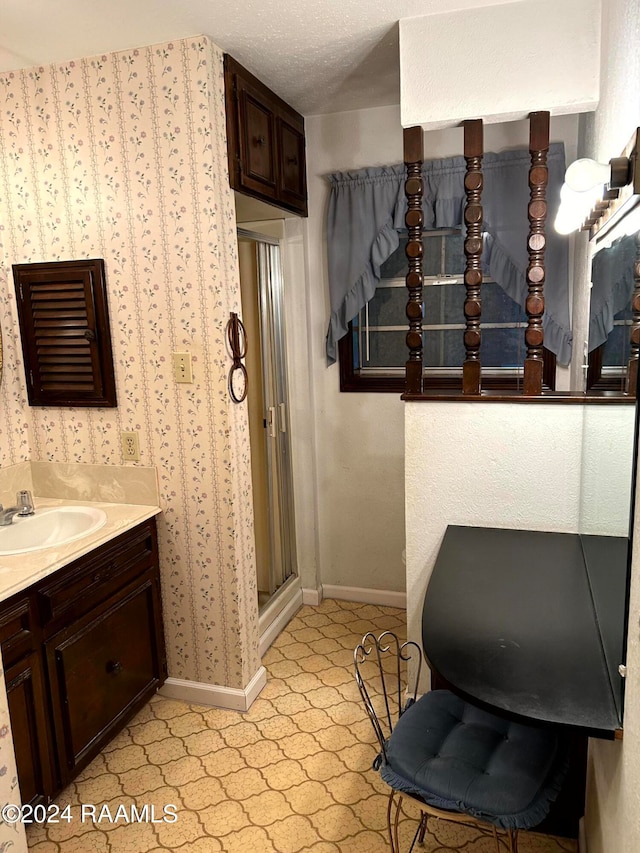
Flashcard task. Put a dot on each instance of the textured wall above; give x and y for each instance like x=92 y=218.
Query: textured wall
x=555 y=70
x=607 y=463
x=124 y=157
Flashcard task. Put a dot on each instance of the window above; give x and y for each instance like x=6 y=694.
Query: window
x=373 y=354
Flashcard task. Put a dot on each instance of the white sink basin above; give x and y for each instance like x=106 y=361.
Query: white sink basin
x=49 y=528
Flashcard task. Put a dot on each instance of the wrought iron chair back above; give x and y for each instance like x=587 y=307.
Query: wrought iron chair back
x=386 y=691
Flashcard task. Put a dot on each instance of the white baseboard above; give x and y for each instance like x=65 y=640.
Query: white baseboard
x=280 y=619
x=198 y=693
x=312 y=596
x=383 y=597
x=278 y=601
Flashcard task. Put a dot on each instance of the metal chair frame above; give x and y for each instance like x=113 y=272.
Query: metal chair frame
x=396 y=699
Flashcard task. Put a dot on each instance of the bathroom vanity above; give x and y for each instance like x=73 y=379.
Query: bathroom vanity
x=82 y=646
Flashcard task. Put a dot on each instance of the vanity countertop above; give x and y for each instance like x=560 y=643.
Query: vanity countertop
x=19 y=571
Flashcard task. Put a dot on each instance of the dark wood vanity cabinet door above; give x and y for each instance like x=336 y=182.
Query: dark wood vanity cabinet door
x=28 y=704
x=30 y=730
x=102 y=671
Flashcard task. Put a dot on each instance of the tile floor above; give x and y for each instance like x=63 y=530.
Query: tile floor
x=291 y=775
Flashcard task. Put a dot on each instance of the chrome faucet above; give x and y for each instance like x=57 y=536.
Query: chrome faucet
x=24 y=506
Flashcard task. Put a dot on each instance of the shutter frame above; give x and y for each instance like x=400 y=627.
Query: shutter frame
x=66 y=340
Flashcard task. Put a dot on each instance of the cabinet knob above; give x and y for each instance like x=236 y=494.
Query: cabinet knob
x=259 y=140
x=113 y=667
x=292 y=161
x=90 y=335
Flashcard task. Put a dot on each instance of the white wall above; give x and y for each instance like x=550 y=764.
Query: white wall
x=360 y=437
x=613 y=790
x=606 y=469
x=455 y=65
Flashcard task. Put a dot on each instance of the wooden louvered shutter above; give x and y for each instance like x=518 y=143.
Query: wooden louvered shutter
x=64 y=323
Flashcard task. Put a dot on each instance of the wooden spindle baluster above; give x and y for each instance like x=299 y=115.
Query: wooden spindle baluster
x=473 y=151
x=413 y=157
x=634 y=354
x=536 y=244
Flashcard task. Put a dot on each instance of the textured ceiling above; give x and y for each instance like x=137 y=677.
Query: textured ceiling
x=320 y=55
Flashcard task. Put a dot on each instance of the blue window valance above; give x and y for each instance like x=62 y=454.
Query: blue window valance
x=366 y=214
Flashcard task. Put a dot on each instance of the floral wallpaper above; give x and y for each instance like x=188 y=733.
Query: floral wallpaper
x=12 y=835
x=123 y=156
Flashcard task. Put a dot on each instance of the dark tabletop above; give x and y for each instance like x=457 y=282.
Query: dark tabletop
x=511 y=620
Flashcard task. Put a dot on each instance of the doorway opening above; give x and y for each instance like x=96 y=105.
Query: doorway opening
x=261 y=287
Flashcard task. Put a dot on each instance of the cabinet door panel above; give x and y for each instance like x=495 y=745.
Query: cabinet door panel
x=102 y=672
x=29 y=726
x=293 y=185
x=257 y=138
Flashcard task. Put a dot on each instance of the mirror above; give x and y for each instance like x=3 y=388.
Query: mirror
x=610 y=315
x=608 y=430
x=608 y=438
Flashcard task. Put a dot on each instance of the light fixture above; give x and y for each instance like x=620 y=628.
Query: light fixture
x=590 y=195
x=585 y=174
x=564 y=223
x=574 y=208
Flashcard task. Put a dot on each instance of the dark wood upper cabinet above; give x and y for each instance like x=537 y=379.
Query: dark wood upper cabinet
x=266 y=142
x=64 y=325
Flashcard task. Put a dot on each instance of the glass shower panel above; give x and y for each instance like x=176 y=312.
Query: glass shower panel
x=276 y=415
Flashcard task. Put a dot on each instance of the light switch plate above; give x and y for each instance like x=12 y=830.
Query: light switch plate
x=182 y=370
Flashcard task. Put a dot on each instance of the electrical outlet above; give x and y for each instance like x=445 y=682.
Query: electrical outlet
x=130 y=446
x=182 y=371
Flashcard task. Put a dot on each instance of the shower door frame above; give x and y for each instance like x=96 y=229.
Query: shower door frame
x=276 y=410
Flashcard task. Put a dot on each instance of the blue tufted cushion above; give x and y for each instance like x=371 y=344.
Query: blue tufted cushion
x=459 y=757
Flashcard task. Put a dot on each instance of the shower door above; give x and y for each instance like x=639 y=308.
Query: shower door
x=263 y=317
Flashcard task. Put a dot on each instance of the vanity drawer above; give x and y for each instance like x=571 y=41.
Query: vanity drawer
x=101 y=671
x=93 y=578
x=16 y=630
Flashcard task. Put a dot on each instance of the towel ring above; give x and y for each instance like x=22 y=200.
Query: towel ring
x=238 y=380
